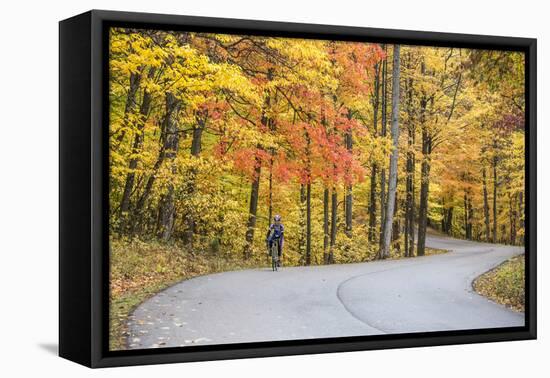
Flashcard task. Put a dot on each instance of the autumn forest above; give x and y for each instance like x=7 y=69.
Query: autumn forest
x=362 y=148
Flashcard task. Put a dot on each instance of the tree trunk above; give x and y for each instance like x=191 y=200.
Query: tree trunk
x=333 y=225
x=166 y=214
x=424 y=192
x=383 y=204
x=270 y=199
x=396 y=228
x=383 y=134
x=410 y=206
x=308 y=224
x=444 y=220
x=372 y=205
x=447 y=221
x=372 y=199
x=302 y=225
x=470 y=219
x=450 y=221
x=253 y=209
x=495 y=188
x=406 y=235
x=349 y=206
x=196 y=142
x=308 y=199
x=171 y=142
x=144 y=110
x=467 y=217
x=513 y=216
x=196 y=147
x=135 y=82
x=424 y=175
x=349 y=189
x=486 y=208
x=410 y=169
x=325 y=225
x=137 y=215
x=521 y=218
x=385 y=250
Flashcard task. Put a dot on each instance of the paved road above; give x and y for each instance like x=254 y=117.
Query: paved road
x=428 y=293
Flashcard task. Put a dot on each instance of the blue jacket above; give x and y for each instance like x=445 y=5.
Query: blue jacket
x=275 y=231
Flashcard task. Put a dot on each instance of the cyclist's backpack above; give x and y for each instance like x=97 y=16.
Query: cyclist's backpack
x=277 y=230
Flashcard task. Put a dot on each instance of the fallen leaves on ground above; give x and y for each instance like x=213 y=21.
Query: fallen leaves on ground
x=505 y=284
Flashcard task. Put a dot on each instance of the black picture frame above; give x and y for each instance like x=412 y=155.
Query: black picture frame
x=83 y=181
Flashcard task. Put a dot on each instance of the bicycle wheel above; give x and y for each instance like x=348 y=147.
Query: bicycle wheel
x=274 y=255
x=277 y=256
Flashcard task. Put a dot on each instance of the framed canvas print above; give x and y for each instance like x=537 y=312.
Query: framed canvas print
x=234 y=188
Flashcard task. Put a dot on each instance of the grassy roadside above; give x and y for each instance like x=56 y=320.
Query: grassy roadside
x=139 y=270
x=434 y=251
x=427 y=252
x=505 y=284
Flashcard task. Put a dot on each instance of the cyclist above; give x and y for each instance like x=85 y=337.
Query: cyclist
x=276 y=231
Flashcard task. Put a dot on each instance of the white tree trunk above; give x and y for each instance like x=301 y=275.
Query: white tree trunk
x=390 y=206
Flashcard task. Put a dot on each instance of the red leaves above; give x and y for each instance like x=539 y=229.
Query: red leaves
x=216 y=110
x=356 y=61
x=246 y=160
x=320 y=153
x=307 y=125
x=283 y=169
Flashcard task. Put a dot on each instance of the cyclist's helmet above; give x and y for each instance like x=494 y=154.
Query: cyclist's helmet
x=277 y=218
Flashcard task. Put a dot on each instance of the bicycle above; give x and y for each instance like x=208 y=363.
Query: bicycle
x=275 y=254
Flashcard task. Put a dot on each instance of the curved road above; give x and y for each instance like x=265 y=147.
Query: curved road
x=429 y=293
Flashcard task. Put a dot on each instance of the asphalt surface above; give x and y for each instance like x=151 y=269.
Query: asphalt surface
x=430 y=293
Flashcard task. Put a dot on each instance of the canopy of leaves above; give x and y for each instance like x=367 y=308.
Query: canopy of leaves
x=294 y=112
